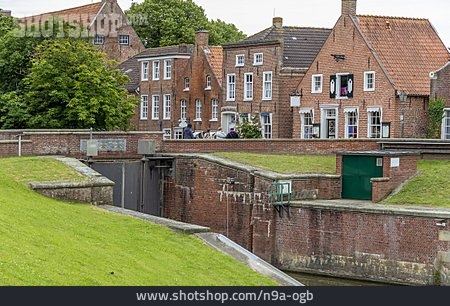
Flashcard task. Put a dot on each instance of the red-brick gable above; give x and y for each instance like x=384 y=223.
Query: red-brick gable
x=408 y=49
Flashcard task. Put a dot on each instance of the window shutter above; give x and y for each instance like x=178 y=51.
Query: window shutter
x=351 y=86
x=333 y=87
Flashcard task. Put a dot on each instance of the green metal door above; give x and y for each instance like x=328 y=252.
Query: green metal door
x=356 y=174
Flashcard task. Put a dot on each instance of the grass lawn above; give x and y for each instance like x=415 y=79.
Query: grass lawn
x=48 y=242
x=288 y=164
x=430 y=188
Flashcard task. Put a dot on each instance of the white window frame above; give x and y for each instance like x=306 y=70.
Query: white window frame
x=198 y=110
x=304 y=126
x=208 y=82
x=238 y=62
x=168 y=69
x=267 y=97
x=248 y=87
x=445 y=120
x=264 y=125
x=338 y=86
x=144 y=107
x=145 y=71
x=231 y=88
x=183 y=110
x=255 y=57
x=369 y=123
x=167 y=107
x=215 y=110
x=156 y=103
x=346 y=117
x=366 y=83
x=313 y=83
x=187 y=84
x=124 y=40
x=156 y=70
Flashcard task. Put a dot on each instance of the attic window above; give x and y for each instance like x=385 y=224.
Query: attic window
x=338 y=57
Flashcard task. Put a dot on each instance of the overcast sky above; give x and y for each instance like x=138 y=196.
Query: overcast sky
x=252 y=16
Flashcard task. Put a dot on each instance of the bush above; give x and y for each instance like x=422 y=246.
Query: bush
x=250 y=129
x=435 y=113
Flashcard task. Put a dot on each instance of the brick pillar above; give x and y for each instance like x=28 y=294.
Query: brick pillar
x=349 y=7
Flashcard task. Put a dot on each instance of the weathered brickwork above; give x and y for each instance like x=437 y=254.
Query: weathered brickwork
x=440 y=84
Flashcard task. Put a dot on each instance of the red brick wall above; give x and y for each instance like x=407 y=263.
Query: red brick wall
x=346 y=40
x=440 y=85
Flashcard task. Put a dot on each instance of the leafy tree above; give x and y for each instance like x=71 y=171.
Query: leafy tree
x=436 y=113
x=13 y=111
x=71 y=85
x=6 y=24
x=250 y=129
x=172 y=22
x=222 y=32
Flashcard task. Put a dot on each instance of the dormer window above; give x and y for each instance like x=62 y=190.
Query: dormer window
x=258 y=59
x=240 y=60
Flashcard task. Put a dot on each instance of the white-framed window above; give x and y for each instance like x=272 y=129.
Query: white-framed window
x=248 y=86
x=167 y=106
x=99 y=40
x=124 y=40
x=167 y=69
x=183 y=108
x=155 y=107
x=374 y=122
x=145 y=71
x=240 y=60
x=329 y=122
x=341 y=86
x=267 y=86
x=186 y=84
x=208 y=82
x=144 y=107
x=446 y=124
x=156 y=71
x=307 y=123
x=215 y=110
x=258 y=59
x=231 y=87
x=178 y=133
x=266 y=124
x=351 y=122
x=317 y=81
x=369 y=81
x=198 y=110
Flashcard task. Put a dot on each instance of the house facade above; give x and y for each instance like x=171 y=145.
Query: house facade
x=104 y=22
x=370 y=79
x=260 y=73
x=440 y=88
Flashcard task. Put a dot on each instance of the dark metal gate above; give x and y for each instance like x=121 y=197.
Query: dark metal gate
x=137 y=184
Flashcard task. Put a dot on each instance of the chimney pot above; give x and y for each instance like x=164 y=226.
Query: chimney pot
x=349 y=7
x=278 y=22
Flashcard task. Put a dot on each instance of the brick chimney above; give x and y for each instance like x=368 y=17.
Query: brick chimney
x=201 y=38
x=349 y=7
x=278 y=22
x=5 y=13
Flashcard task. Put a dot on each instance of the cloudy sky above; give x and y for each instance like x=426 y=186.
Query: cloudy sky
x=254 y=15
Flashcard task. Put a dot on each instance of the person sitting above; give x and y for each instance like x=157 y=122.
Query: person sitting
x=188 y=133
x=232 y=134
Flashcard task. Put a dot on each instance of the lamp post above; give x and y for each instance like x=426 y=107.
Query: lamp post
x=403 y=96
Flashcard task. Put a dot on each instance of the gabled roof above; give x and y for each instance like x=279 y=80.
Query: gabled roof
x=167 y=51
x=215 y=58
x=83 y=14
x=131 y=68
x=301 y=45
x=407 y=48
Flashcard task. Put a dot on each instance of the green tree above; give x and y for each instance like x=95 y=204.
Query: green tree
x=72 y=85
x=222 y=32
x=435 y=113
x=172 y=22
x=7 y=24
x=250 y=129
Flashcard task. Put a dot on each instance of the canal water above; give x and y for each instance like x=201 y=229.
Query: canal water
x=319 y=280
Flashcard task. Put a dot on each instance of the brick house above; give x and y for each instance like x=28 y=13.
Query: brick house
x=104 y=21
x=440 y=88
x=370 y=79
x=261 y=72
x=5 y=13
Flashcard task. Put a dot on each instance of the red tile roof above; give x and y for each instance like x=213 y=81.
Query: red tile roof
x=81 y=14
x=408 y=49
x=215 y=57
